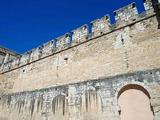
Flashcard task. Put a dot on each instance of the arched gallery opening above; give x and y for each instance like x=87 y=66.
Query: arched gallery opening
x=134 y=103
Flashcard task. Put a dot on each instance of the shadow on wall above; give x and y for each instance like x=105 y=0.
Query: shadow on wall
x=156 y=7
x=91 y=107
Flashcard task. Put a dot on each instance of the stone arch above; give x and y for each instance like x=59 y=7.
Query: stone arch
x=133 y=86
x=134 y=103
x=91 y=105
x=123 y=84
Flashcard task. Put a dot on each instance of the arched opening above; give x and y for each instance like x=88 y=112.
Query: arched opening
x=134 y=102
x=91 y=106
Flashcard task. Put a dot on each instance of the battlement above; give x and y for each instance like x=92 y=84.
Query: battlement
x=126 y=14
x=80 y=34
x=123 y=16
x=148 y=5
x=63 y=42
x=101 y=26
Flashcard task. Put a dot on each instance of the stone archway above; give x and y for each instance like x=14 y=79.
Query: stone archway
x=134 y=102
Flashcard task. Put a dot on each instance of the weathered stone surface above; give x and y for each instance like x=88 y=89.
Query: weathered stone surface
x=79 y=35
x=126 y=14
x=63 y=42
x=83 y=78
x=48 y=48
x=122 y=51
x=94 y=99
x=101 y=26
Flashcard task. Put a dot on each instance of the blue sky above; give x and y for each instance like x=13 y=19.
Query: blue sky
x=26 y=24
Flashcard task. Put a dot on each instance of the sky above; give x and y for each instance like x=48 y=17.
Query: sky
x=26 y=24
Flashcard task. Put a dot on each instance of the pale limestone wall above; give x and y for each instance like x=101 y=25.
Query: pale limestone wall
x=91 y=100
x=101 y=26
x=133 y=48
x=82 y=79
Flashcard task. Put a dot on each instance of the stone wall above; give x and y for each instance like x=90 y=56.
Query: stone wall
x=127 y=49
x=90 y=100
x=79 y=75
x=124 y=17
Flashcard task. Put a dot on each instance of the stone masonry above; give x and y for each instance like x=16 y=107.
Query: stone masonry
x=80 y=75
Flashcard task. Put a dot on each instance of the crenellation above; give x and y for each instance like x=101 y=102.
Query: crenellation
x=126 y=15
x=101 y=26
x=36 y=54
x=80 y=34
x=25 y=58
x=48 y=48
x=148 y=6
x=63 y=42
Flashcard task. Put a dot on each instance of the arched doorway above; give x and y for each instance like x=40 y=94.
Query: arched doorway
x=134 y=102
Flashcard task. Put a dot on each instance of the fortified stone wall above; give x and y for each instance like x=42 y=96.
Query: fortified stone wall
x=110 y=50
x=100 y=27
x=80 y=76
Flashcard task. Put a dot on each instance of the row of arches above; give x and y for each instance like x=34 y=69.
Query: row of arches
x=133 y=101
